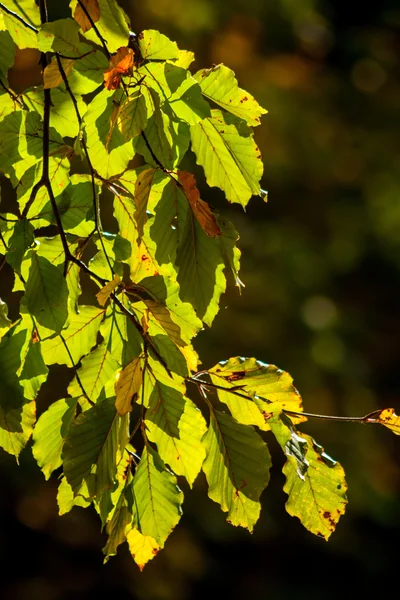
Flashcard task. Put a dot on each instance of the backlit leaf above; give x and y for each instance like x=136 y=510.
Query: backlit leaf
x=157 y=498
x=315 y=483
x=94 y=447
x=236 y=467
x=269 y=389
x=47 y=293
x=120 y=64
x=80 y=337
x=113 y=25
x=142 y=547
x=24 y=37
x=50 y=432
x=128 y=385
x=225 y=148
x=104 y=294
x=220 y=85
x=156 y=46
x=176 y=425
x=386 y=417
x=92 y=8
x=201 y=209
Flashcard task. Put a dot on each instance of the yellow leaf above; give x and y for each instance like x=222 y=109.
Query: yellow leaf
x=104 y=294
x=142 y=547
x=386 y=417
x=51 y=75
x=128 y=385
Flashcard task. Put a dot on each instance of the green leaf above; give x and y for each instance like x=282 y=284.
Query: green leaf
x=315 y=483
x=21 y=142
x=200 y=269
x=123 y=340
x=156 y=46
x=220 y=85
x=16 y=426
x=157 y=498
x=62 y=115
x=50 y=432
x=108 y=149
x=177 y=318
x=61 y=36
x=97 y=369
x=94 y=447
x=34 y=372
x=47 y=293
x=167 y=139
x=5 y=322
x=7 y=52
x=113 y=25
x=22 y=238
x=23 y=36
x=52 y=249
x=236 y=467
x=84 y=75
x=80 y=336
x=13 y=348
x=269 y=389
x=176 y=425
x=133 y=115
x=66 y=499
x=225 y=148
x=176 y=87
x=40 y=211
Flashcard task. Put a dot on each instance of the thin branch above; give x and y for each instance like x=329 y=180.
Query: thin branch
x=146 y=338
x=78 y=379
x=12 y=95
x=370 y=418
x=93 y=24
x=96 y=205
x=18 y=17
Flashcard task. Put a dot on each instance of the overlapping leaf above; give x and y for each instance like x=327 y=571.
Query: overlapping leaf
x=260 y=390
x=157 y=498
x=94 y=447
x=225 y=148
x=315 y=483
x=236 y=467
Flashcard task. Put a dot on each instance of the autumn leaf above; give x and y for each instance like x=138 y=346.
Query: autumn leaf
x=386 y=417
x=104 y=294
x=201 y=209
x=80 y=16
x=128 y=385
x=120 y=64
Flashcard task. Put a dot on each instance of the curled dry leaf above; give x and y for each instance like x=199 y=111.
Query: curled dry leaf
x=80 y=16
x=201 y=209
x=120 y=64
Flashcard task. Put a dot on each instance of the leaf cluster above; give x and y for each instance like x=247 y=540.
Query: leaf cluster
x=111 y=123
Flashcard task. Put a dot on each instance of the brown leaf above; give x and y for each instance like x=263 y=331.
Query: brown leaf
x=128 y=385
x=142 y=191
x=201 y=209
x=120 y=64
x=51 y=75
x=104 y=294
x=80 y=17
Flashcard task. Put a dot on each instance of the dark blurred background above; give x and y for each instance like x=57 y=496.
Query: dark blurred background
x=321 y=265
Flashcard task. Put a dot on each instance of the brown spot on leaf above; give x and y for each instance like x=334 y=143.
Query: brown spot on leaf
x=244 y=99
x=327 y=515
x=235 y=376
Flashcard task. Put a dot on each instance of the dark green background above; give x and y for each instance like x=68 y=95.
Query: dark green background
x=321 y=268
